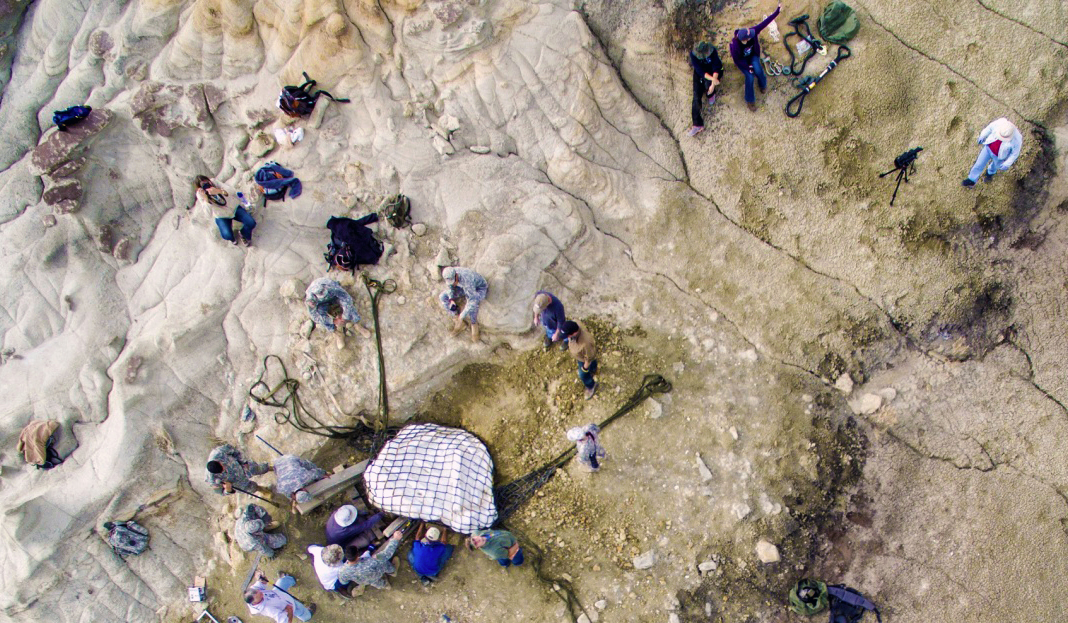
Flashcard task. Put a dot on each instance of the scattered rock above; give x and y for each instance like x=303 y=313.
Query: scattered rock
x=582 y=618
x=645 y=560
x=132 y=366
x=600 y=604
x=262 y=144
x=673 y=618
x=306 y=328
x=766 y=552
x=122 y=249
x=442 y=260
x=401 y=300
x=748 y=355
x=866 y=404
x=740 y=510
x=888 y=394
x=655 y=410
x=419 y=229
x=733 y=432
x=707 y=566
x=702 y=468
x=479 y=149
x=48 y=220
x=291 y=289
x=844 y=383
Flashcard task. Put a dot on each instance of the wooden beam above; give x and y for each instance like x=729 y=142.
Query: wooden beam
x=324 y=489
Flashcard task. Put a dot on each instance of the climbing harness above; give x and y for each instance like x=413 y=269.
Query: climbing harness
x=772 y=68
x=376 y=289
x=511 y=496
x=815 y=45
x=793 y=107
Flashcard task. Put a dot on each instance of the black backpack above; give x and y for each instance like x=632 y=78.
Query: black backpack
x=70 y=116
x=127 y=538
x=398 y=211
x=848 y=605
x=352 y=243
x=300 y=101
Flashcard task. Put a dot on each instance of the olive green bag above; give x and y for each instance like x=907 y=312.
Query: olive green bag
x=838 y=23
x=808 y=597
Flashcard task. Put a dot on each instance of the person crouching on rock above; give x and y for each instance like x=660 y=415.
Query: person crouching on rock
x=331 y=308
x=213 y=198
x=707 y=69
x=251 y=531
x=464 y=284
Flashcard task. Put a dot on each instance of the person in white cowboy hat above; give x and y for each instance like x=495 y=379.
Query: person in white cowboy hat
x=345 y=527
x=1000 y=147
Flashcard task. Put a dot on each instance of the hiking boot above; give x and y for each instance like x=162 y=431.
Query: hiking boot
x=234 y=242
x=752 y=106
x=476 y=333
x=548 y=343
x=591 y=391
x=563 y=345
x=312 y=608
x=425 y=581
x=967 y=183
x=988 y=177
x=763 y=89
x=246 y=241
x=274 y=525
x=340 y=337
x=695 y=130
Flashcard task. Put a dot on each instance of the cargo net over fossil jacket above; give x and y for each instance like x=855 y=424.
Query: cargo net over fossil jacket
x=435 y=473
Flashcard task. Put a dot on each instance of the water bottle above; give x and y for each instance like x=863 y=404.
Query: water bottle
x=244 y=200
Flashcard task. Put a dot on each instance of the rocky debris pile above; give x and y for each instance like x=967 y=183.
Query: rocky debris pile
x=60 y=155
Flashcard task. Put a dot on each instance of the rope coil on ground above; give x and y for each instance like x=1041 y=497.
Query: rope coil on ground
x=285 y=395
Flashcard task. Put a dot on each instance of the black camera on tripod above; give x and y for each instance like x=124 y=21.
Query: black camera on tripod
x=903 y=165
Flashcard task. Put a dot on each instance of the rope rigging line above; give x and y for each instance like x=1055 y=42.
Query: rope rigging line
x=285 y=394
x=814 y=45
x=793 y=107
x=375 y=289
x=511 y=496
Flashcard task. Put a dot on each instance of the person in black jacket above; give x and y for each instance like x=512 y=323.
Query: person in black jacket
x=707 y=69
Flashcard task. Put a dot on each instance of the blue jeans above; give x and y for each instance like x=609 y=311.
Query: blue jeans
x=285 y=583
x=586 y=376
x=518 y=560
x=226 y=225
x=986 y=160
x=758 y=74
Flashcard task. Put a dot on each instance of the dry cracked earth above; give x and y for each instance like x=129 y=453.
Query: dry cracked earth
x=878 y=391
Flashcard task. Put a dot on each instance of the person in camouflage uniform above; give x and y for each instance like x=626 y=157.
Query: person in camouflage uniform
x=229 y=469
x=250 y=531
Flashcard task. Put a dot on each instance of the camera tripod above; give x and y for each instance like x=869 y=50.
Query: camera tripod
x=903 y=165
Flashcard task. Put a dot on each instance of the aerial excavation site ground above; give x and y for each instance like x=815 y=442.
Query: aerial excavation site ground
x=872 y=394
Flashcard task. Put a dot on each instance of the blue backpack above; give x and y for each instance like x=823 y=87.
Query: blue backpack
x=70 y=116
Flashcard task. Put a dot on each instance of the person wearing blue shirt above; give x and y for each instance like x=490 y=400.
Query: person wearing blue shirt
x=429 y=555
x=549 y=313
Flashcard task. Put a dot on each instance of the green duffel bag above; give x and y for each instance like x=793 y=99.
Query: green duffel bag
x=838 y=23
